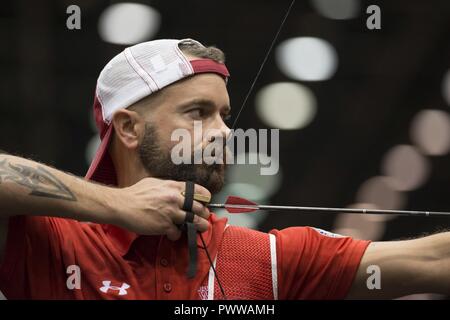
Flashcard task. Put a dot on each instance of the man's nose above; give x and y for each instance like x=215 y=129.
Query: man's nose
x=224 y=129
x=218 y=129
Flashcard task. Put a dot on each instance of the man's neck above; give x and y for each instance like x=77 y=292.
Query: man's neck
x=126 y=180
x=129 y=172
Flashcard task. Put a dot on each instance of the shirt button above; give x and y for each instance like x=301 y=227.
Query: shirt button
x=164 y=262
x=167 y=287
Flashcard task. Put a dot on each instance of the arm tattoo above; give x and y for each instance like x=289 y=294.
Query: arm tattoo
x=39 y=180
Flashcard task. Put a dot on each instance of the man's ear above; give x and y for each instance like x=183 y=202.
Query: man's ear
x=128 y=127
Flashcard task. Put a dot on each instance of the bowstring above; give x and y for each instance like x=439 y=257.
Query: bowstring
x=237 y=117
x=264 y=62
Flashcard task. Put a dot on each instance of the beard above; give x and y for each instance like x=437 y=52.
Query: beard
x=158 y=163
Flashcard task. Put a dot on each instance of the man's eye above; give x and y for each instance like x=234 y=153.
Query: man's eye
x=226 y=117
x=197 y=113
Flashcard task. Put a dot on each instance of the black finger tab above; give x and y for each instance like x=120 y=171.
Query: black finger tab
x=189 y=217
x=188 y=196
x=190 y=228
x=192 y=246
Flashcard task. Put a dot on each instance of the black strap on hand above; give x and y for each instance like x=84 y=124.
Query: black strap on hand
x=190 y=229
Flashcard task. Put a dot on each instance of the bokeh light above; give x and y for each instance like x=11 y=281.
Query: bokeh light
x=407 y=167
x=91 y=148
x=337 y=9
x=380 y=192
x=359 y=226
x=446 y=87
x=286 y=105
x=430 y=132
x=307 y=58
x=128 y=23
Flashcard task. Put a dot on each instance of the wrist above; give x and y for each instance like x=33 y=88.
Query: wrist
x=99 y=204
x=110 y=205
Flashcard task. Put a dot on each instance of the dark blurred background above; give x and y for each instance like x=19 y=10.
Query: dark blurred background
x=363 y=113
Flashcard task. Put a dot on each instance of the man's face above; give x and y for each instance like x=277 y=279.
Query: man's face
x=201 y=98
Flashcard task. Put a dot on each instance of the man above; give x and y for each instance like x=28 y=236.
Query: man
x=134 y=247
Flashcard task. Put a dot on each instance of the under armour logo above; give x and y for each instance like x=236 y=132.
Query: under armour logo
x=107 y=286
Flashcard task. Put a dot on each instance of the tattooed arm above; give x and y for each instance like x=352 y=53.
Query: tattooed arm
x=151 y=206
x=30 y=188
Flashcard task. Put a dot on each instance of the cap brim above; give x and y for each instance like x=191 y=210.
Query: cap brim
x=102 y=168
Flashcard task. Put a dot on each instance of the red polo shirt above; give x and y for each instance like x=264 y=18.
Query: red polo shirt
x=55 y=258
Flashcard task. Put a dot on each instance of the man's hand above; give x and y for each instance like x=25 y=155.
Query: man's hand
x=153 y=206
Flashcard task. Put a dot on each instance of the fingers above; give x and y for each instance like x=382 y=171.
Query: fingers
x=201 y=214
x=201 y=224
x=200 y=210
x=173 y=233
x=198 y=189
x=202 y=190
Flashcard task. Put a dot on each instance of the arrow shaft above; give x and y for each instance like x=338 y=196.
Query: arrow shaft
x=333 y=210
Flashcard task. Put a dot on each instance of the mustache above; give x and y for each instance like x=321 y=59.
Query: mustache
x=211 y=151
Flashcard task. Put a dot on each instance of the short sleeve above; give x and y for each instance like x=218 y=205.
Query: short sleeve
x=316 y=264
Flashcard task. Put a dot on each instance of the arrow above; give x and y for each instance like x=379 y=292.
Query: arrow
x=235 y=204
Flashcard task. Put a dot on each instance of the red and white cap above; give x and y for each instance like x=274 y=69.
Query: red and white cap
x=133 y=74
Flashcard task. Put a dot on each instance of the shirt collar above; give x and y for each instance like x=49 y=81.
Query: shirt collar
x=123 y=239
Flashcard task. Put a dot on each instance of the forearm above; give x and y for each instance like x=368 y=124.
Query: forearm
x=406 y=267
x=31 y=188
x=439 y=245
